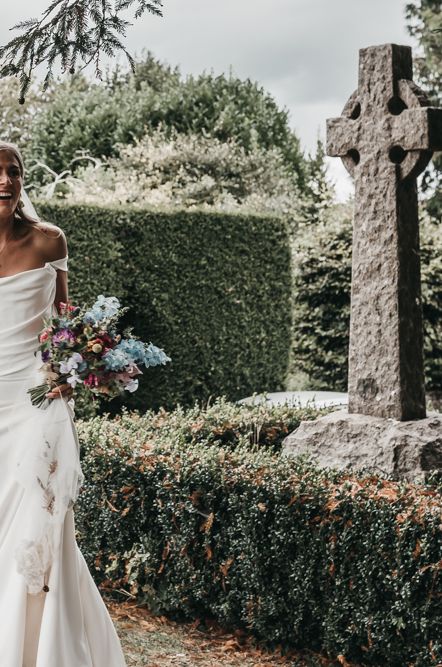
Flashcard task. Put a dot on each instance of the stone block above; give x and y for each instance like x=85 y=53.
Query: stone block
x=409 y=450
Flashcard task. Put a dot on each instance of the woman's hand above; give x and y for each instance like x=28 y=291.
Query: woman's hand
x=63 y=390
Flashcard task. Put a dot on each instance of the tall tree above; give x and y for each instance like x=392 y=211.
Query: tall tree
x=319 y=191
x=76 y=32
x=95 y=118
x=424 y=23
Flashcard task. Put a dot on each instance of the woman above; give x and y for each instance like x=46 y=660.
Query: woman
x=51 y=612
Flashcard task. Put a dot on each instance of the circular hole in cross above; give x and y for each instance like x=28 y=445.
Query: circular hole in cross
x=356 y=111
x=396 y=105
x=353 y=154
x=397 y=154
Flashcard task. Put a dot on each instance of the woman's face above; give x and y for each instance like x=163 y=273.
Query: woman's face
x=10 y=183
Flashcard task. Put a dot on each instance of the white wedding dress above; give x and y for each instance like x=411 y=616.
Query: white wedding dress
x=68 y=625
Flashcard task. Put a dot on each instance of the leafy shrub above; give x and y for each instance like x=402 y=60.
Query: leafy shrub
x=431 y=257
x=211 y=289
x=230 y=145
x=321 y=307
x=424 y=25
x=208 y=527
x=97 y=117
x=187 y=170
x=16 y=119
x=221 y=423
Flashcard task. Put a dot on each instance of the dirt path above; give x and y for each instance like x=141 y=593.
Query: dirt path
x=155 y=641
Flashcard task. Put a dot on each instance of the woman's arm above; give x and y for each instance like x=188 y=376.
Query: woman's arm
x=56 y=248
x=61 y=291
x=51 y=243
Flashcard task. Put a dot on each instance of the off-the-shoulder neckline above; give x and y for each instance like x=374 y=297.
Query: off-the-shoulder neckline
x=39 y=268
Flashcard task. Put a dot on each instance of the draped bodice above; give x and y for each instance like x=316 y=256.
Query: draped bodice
x=26 y=299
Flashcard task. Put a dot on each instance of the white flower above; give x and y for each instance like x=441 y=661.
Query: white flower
x=74 y=379
x=71 y=363
x=131 y=386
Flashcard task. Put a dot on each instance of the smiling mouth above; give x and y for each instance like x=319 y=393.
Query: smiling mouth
x=5 y=196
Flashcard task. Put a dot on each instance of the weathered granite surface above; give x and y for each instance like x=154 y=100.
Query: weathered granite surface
x=385 y=138
x=405 y=449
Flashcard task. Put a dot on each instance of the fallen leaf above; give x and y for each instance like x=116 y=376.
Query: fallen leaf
x=417 y=549
x=225 y=567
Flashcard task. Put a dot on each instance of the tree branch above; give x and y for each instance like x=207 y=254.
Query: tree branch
x=75 y=31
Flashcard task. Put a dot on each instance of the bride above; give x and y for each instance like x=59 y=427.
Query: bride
x=51 y=612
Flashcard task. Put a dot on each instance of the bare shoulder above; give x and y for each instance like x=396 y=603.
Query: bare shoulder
x=51 y=241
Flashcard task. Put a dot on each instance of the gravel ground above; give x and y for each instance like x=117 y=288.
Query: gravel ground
x=155 y=641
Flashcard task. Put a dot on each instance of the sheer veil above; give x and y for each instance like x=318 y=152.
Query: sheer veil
x=28 y=207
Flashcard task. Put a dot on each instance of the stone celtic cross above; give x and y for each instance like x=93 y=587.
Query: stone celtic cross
x=385 y=137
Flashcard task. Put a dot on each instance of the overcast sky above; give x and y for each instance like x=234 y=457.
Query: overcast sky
x=304 y=52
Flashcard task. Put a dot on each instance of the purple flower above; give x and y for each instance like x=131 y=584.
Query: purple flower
x=45 y=355
x=63 y=338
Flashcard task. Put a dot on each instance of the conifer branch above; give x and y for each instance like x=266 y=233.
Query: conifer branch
x=78 y=32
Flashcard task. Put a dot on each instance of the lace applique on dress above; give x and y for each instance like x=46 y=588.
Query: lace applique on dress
x=48 y=468
x=33 y=562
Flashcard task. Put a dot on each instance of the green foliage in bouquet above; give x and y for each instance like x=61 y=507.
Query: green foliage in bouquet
x=213 y=290
x=197 y=523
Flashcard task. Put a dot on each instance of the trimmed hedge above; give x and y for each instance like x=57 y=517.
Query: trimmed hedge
x=345 y=565
x=321 y=305
x=213 y=290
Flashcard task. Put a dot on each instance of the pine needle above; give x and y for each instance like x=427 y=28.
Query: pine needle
x=75 y=32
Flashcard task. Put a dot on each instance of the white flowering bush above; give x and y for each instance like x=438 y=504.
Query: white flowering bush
x=166 y=170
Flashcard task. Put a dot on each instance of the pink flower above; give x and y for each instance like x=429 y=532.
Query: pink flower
x=66 y=307
x=91 y=380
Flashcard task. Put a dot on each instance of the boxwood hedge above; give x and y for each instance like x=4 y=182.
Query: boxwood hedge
x=206 y=519
x=212 y=289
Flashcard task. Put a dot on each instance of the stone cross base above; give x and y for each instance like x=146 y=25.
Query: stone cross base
x=407 y=450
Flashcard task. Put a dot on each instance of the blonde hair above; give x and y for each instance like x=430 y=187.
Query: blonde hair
x=19 y=213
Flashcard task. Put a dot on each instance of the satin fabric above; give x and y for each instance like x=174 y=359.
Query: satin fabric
x=69 y=626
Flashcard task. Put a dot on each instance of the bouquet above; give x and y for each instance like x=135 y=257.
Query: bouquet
x=83 y=346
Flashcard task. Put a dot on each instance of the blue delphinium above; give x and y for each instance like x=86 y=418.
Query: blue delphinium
x=130 y=351
x=103 y=309
x=133 y=348
x=154 y=356
x=116 y=360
